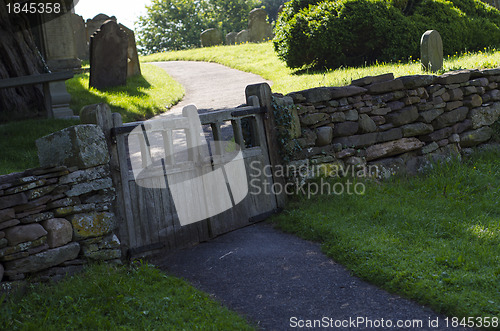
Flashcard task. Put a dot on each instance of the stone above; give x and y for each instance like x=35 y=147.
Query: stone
x=29 y=247
x=404 y=116
x=95 y=23
x=351 y=115
x=430 y=115
x=386 y=86
x=43 y=260
x=80 y=36
x=372 y=79
x=83 y=146
x=95 y=185
x=493 y=95
x=103 y=255
x=430 y=148
x=1 y=272
x=411 y=100
x=357 y=141
x=133 y=64
x=242 y=37
x=324 y=136
x=390 y=134
x=7 y=214
x=92 y=224
x=37 y=218
x=453 y=105
x=415 y=81
x=345 y=129
x=454 y=138
x=396 y=105
x=85 y=175
x=381 y=111
x=3 y=243
x=311 y=119
x=450 y=118
x=462 y=126
x=108 y=56
x=366 y=124
x=337 y=117
x=416 y=129
x=210 y=37
x=231 y=38
x=59 y=232
x=486 y=115
x=479 y=82
x=259 y=29
x=346 y=153
x=475 y=137
x=454 y=77
x=13 y=200
x=2 y=234
x=392 y=148
x=431 y=51
x=24 y=233
x=456 y=94
x=443 y=142
x=9 y=223
x=378 y=120
x=473 y=101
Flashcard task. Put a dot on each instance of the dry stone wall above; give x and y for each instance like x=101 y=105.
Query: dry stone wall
x=397 y=124
x=56 y=218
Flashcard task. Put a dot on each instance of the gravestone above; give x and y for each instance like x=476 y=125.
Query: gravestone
x=258 y=28
x=95 y=23
x=242 y=37
x=431 y=51
x=108 y=56
x=80 y=36
x=231 y=38
x=210 y=37
x=133 y=66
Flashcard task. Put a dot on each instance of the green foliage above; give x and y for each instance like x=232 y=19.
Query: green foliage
x=432 y=238
x=177 y=24
x=136 y=297
x=333 y=33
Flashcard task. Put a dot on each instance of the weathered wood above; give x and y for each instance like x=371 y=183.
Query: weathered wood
x=35 y=79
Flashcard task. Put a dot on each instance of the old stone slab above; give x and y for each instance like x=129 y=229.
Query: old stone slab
x=475 y=137
x=473 y=101
x=259 y=29
x=210 y=37
x=92 y=224
x=24 y=233
x=86 y=187
x=9 y=223
x=311 y=119
x=415 y=81
x=390 y=134
x=12 y=200
x=231 y=38
x=133 y=64
x=392 y=148
x=7 y=214
x=437 y=135
x=59 y=232
x=416 y=129
x=345 y=129
x=83 y=146
x=486 y=115
x=37 y=218
x=462 y=126
x=43 y=260
x=324 y=136
x=451 y=117
x=108 y=56
x=362 y=140
x=242 y=37
x=386 y=86
x=372 y=79
x=366 y=124
x=430 y=115
x=454 y=77
x=404 y=116
x=431 y=51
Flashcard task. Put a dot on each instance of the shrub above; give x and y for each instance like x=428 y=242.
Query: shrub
x=354 y=32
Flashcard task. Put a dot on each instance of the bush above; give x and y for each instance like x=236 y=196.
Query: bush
x=354 y=32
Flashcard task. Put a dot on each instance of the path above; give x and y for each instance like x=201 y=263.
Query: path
x=270 y=277
x=210 y=85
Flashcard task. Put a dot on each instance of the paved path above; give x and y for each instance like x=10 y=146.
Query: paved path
x=271 y=277
x=210 y=85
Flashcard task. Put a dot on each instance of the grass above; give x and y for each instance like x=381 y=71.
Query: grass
x=17 y=142
x=260 y=59
x=104 y=297
x=434 y=238
x=143 y=97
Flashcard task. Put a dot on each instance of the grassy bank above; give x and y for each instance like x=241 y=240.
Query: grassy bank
x=143 y=97
x=260 y=59
x=435 y=238
x=110 y=298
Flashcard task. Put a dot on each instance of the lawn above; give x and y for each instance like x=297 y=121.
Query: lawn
x=432 y=238
x=137 y=297
x=260 y=59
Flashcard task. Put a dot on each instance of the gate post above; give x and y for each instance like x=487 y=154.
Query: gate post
x=263 y=92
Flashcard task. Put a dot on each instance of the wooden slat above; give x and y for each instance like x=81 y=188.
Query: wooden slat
x=35 y=79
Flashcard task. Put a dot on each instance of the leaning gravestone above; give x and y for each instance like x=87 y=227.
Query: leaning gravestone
x=108 y=56
x=258 y=28
x=242 y=37
x=133 y=66
x=231 y=38
x=431 y=51
x=80 y=36
x=210 y=37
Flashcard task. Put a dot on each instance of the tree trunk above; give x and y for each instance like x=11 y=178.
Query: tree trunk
x=19 y=56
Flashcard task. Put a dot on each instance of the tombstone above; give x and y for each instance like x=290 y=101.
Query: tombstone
x=258 y=28
x=80 y=36
x=95 y=23
x=431 y=51
x=133 y=66
x=210 y=37
x=108 y=56
x=242 y=37
x=231 y=38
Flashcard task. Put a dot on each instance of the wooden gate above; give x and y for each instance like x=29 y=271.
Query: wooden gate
x=171 y=150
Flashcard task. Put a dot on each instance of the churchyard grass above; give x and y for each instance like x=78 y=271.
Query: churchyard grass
x=432 y=238
x=260 y=59
x=142 y=97
x=17 y=142
x=104 y=297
